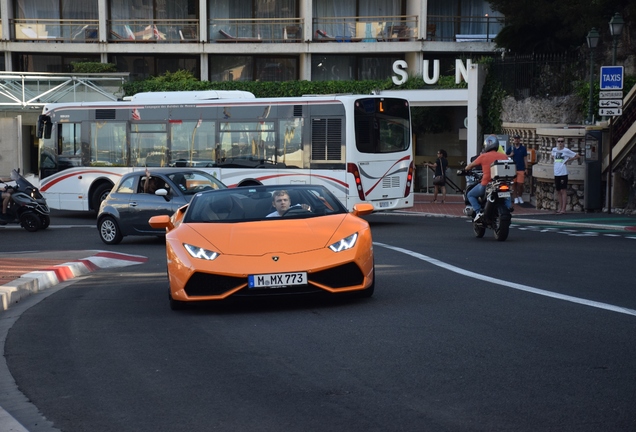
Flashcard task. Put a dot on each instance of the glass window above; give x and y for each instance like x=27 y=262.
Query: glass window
x=290 y=147
x=148 y=144
x=107 y=145
x=194 y=143
x=142 y=67
x=253 y=68
x=350 y=67
x=49 y=63
x=127 y=186
x=246 y=140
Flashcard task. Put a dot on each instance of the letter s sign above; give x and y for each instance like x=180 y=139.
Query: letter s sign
x=399 y=67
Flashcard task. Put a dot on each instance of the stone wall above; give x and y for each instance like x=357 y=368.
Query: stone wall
x=562 y=110
x=545 y=199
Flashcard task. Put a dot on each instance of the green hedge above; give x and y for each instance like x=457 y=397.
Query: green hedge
x=184 y=81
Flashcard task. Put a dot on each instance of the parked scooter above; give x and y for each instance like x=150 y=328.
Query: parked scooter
x=26 y=206
x=496 y=212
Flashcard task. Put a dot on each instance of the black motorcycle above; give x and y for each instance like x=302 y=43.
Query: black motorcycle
x=26 y=206
x=496 y=214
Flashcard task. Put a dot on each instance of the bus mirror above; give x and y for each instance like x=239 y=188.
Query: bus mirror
x=48 y=126
x=44 y=127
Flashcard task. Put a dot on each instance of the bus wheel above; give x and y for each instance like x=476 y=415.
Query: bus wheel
x=100 y=194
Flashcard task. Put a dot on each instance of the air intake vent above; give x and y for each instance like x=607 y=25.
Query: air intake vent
x=298 y=110
x=105 y=114
x=326 y=139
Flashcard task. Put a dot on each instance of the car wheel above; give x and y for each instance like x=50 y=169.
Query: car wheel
x=366 y=293
x=176 y=304
x=109 y=231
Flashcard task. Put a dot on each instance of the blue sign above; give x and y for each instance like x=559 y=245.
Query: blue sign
x=611 y=77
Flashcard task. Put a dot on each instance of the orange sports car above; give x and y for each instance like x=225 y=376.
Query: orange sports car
x=266 y=240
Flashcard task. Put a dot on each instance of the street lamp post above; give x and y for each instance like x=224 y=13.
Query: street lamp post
x=616 y=28
x=592 y=41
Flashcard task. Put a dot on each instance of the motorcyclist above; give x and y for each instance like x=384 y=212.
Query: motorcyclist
x=489 y=155
x=6 y=196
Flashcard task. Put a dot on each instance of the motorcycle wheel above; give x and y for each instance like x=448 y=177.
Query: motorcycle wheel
x=109 y=231
x=46 y=221
x=30 y=221
x=479 y=230
x=502 y=223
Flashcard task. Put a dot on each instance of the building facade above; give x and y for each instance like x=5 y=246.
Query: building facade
x=269 y=40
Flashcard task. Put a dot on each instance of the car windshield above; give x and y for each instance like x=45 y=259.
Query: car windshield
x=262 y=203
x=192 y=182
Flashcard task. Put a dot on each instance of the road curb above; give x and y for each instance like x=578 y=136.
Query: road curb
x=36 y=281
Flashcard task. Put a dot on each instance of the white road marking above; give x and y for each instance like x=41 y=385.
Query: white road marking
x=512 y=285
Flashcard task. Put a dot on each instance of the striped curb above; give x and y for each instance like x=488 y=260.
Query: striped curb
x=35 y=281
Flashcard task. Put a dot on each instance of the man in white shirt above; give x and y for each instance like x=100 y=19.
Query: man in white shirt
x=562 y=156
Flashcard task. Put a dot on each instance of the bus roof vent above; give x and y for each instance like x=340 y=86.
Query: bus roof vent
x=189 y=96
x=105 y=114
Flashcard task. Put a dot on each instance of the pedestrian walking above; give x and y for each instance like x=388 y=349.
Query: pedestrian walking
x=439 y=179
x=519 y=155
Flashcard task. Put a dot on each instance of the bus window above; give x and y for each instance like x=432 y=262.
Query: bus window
x=148 y=144
x=108 y=144
x=69 y=149
x=290 y=148
x=193 y=142
x=246 y=140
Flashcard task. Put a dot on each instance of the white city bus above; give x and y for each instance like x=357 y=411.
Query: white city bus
x=358 y=146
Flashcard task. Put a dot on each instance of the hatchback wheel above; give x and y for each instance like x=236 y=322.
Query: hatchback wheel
x=109 y=231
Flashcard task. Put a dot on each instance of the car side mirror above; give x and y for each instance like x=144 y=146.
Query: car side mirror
x=161 y=221
x=362 y=209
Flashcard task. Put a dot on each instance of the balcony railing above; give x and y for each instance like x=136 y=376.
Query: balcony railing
x=256 y=30
x=366 y=29
x=49 y=30
x=463 y=28
x=153 y=30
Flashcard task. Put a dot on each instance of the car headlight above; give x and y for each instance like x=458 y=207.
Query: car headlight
x=199 y=252
x=345 y=243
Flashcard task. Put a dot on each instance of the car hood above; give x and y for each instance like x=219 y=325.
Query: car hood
x=272 y=236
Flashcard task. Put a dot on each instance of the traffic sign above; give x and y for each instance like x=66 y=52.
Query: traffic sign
x=611 y=95
x=610 y=103
x=610 y=112
x=611 y=77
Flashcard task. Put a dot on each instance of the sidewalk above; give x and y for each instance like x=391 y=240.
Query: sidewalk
x=526 y=213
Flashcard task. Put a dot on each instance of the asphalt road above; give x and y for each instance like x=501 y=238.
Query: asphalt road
x=535 y=333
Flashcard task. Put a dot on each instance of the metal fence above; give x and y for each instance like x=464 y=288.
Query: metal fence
x=539 y=75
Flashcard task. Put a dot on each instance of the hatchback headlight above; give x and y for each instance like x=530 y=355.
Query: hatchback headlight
x=345 y=243
x=199 y=252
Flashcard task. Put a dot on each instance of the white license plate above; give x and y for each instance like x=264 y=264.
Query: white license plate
x=384 y=204
x=276 y=280
x=504 y=194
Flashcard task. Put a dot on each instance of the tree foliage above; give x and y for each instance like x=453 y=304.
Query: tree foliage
x=543 y=26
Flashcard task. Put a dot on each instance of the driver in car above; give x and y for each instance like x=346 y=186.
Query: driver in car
x=282 y=203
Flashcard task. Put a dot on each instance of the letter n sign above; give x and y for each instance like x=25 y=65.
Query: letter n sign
x=611 y=77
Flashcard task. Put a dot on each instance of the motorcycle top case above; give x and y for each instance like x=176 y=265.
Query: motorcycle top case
x=503 y=169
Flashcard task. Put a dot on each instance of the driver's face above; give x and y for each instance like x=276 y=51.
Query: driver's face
x=281 y=203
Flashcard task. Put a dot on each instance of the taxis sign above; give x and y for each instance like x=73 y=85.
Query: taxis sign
x=611 y=77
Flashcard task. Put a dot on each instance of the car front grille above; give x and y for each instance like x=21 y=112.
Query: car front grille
x=205 y=284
